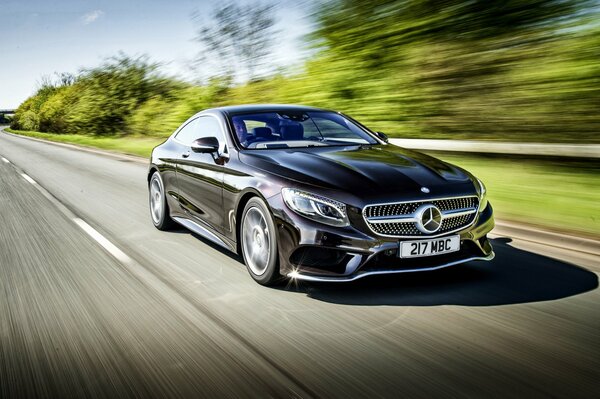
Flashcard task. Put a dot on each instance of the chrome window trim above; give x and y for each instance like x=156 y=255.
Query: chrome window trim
x=411 y=218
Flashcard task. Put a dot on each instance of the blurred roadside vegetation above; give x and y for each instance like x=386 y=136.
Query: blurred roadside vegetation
x=559 y=194
x=522 y=70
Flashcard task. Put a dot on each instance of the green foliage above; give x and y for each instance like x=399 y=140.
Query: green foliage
x=27 y=115
x=524 y=70
x=101 y=101
x=54 y=110
x=30 y=120
x=148 y=118
x=109 y=94
x=521 y=69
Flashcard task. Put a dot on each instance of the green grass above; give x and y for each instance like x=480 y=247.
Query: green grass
x=141 y=146
x=560 y=195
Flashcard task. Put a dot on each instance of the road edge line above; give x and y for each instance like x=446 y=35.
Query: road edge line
x=110 y=154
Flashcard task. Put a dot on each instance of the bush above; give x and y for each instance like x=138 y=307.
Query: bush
x=108 y=95
x=29 y=121
x=53 y=113
x=148 y=118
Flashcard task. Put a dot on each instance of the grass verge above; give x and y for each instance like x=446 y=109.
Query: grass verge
x=556 y=194
x=141 y=146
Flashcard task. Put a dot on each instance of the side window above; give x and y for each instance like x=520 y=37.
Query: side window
x=204 y=126
x=209 y=126
x=188 y=133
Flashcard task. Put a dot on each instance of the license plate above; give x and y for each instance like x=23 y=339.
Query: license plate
x=436 y=246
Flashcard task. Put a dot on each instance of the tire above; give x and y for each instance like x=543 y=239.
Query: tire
x=259 y=243
x=159 y=208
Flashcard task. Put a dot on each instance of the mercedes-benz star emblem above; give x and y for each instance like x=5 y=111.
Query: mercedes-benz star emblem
x=429 y=219
x=425 y=190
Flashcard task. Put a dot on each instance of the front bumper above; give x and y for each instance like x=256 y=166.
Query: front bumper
x=312 y=251
x=360 y=274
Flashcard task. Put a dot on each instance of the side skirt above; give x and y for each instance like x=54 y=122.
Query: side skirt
x=204 y=232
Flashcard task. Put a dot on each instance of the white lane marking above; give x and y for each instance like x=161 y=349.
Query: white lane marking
x=99 y=238
x=29 y=179
x=103 y=241
x=5 y=160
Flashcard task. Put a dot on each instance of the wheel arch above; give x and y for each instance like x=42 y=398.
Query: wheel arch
x=151 y=170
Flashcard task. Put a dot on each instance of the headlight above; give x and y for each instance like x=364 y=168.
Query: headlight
x=482 y=195
x=315 y=207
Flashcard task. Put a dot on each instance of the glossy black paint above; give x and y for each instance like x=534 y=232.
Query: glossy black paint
x=211 y=190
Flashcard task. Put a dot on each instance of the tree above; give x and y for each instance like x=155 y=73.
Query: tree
x=237 y=40
x=474 y=67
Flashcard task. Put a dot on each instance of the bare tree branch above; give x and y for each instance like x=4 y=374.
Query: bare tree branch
x=237 y=40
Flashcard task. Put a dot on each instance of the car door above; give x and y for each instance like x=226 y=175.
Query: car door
x=199 y=175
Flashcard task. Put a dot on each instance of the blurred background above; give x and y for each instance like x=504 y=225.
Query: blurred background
x=502 y=71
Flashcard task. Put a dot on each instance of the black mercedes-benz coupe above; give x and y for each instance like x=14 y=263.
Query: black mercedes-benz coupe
x=312 y=194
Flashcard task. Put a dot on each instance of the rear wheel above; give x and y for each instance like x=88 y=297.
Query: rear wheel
x=259 y=242
x=159 y=209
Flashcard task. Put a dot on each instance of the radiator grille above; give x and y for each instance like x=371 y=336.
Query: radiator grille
x=465 y=206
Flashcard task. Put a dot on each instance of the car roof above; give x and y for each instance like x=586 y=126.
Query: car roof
x=247 y=108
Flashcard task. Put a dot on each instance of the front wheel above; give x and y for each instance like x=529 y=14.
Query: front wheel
x=159 y=209
x=259 y=242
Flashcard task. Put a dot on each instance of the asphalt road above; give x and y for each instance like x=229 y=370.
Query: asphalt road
x=155 y=314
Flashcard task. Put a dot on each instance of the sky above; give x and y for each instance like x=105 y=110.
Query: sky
x=40 y=37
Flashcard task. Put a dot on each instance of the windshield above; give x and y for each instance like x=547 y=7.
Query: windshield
x=263 y=130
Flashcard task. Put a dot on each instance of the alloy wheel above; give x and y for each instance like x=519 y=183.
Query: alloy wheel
x=256 y=241
x=156 y=199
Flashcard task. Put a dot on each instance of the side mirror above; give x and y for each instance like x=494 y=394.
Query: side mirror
x=206 y=145
x=382 y=136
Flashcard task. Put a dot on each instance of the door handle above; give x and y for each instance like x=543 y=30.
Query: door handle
x=185 y=154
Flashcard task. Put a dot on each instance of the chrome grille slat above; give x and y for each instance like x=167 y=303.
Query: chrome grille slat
x=386 y=219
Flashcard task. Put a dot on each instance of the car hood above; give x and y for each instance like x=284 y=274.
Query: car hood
x=376 y=172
